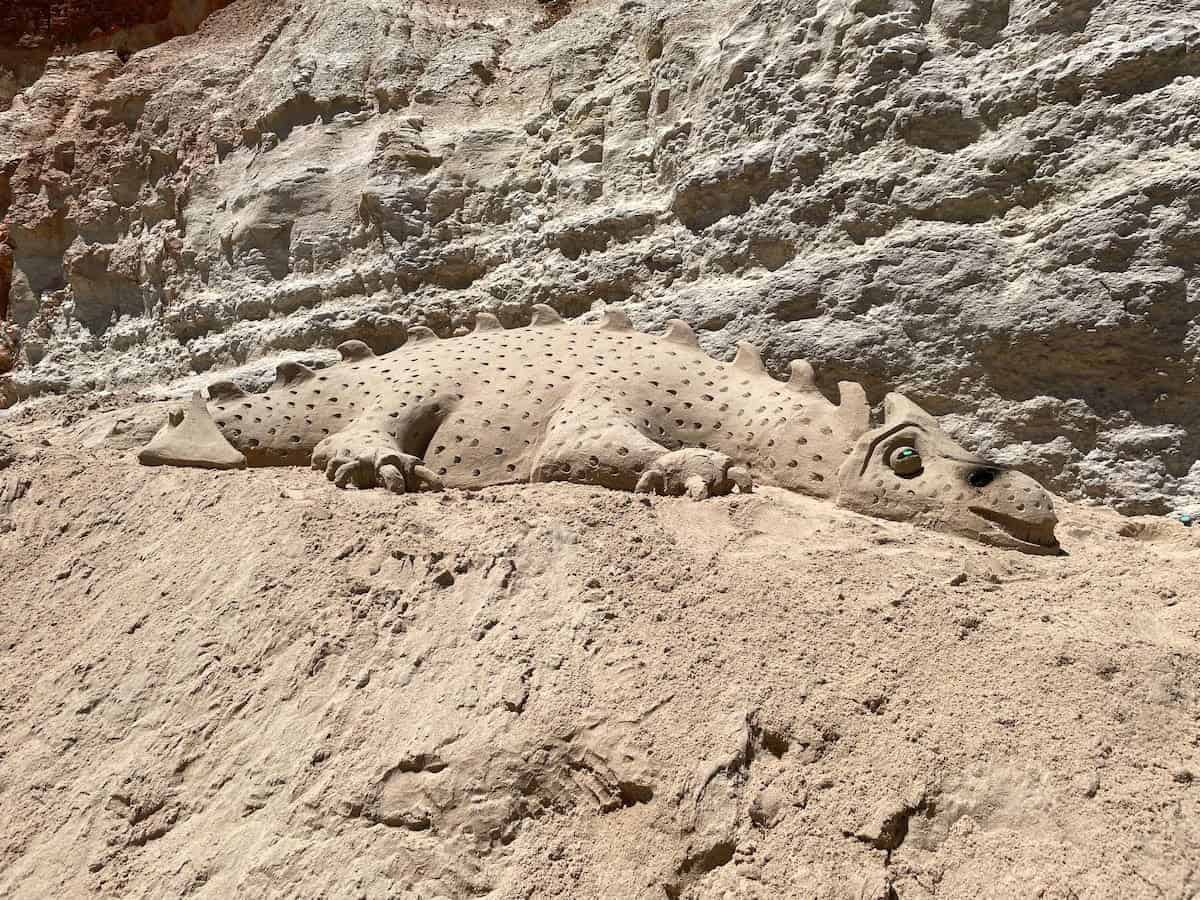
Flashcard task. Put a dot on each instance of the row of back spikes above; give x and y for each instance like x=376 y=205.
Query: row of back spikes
x=748 y=358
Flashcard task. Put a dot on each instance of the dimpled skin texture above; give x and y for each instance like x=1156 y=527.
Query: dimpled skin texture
x=552 y=402
x=603 y=405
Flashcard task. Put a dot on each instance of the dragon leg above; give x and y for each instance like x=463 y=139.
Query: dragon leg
x=590 y=442
x=381 y=450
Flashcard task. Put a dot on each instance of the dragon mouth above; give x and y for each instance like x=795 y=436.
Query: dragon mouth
x=1034 y=536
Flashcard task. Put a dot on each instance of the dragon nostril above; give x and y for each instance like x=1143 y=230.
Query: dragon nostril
x=981 y=478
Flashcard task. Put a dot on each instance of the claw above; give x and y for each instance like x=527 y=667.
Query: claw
x=345 y=473
x=741 y=477
x=651 y=482
x=427 y=478
x=331 y=467
x=393 y=479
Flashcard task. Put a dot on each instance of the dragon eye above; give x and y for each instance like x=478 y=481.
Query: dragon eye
x=906 y=462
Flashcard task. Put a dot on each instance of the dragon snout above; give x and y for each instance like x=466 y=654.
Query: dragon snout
x=1013 y=505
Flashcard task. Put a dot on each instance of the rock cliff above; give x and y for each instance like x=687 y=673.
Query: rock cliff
x=991 y=205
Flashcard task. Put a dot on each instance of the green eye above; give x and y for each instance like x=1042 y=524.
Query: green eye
x=906 y=462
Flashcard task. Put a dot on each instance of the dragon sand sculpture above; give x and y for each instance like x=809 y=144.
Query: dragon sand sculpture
x=603 y=405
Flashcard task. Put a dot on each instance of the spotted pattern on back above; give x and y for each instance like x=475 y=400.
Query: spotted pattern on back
x=607 y=406
x=478 y=407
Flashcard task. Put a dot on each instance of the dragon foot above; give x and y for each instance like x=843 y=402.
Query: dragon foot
x=699 y=474
x=362 y=463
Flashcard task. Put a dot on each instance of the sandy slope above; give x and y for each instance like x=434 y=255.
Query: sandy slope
x=249 y=683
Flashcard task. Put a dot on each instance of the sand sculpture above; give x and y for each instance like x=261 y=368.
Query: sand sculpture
x=608 y=406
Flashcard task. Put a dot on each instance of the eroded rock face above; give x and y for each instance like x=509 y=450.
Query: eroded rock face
x=988 y=204
x=33 y=30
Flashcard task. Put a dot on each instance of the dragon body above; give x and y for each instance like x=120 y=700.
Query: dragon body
x=603 y=405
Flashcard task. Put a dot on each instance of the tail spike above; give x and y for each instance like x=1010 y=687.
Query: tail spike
x=803 y=378
x=224 y=390
x=191 y=438
x=748 y=358
x=680 y=332
x=288 y=373
x=544 y=315
x=419 y=334
x=615 y=320
x=353 y=351
x=485 y=321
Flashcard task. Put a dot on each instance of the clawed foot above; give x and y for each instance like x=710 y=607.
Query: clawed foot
x=361 y=464
x=699 y=474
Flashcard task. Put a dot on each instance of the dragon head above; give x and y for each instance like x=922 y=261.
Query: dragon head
x=909 y=469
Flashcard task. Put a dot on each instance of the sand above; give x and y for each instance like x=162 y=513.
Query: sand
x=250 y=683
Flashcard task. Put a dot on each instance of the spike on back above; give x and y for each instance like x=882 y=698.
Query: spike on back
x=224 y=390
x=854 y=410
x=485 y=321
x=287 y=373
x=802 y=378
x=419 y=334
x=898 y=408
x=615 y=320
x=748 y=358
x=680 y=332
x=544 y=315
x=354 y=350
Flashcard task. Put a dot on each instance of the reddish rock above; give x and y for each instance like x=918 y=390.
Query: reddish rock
x=57 y=23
